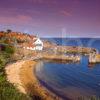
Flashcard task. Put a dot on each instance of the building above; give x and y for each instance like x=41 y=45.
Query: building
x=36 y=44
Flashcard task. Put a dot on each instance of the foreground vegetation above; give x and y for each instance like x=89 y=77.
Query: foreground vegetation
x=9 y=53
x=7 y=90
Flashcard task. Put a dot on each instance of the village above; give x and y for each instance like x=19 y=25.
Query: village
x=58 y=54
x=48 y=50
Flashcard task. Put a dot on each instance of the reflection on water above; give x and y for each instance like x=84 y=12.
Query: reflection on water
x=72 y=80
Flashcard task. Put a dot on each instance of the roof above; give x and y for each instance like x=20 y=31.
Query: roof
x=37 y=41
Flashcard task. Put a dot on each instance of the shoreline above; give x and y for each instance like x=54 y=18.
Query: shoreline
x=12 y=73
x=22 y=75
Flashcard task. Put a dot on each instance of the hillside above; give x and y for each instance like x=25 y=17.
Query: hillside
x=10 y=37
x=7 y=90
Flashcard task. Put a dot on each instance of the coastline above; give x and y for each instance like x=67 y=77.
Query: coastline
x=12 y=72
x=22 y=75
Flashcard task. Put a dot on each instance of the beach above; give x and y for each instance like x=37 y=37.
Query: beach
x=22 y=75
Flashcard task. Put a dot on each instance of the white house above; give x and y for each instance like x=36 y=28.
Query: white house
x=37 y=44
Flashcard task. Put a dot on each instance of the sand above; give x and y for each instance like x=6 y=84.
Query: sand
x=22 y=75
x=12 y=71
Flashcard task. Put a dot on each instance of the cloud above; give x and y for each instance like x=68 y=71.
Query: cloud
x=19 y=19
x=65 y=13
x=24 y=17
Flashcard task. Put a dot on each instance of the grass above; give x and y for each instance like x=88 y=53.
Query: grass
x=7 y=90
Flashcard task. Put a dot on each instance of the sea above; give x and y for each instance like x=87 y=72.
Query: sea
x=72 y=81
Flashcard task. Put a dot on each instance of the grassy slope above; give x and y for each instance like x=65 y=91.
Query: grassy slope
x=7 y=90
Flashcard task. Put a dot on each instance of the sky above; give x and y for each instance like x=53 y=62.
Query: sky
x=51 y=18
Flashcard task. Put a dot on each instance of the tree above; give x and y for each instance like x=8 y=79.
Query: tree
x=1 y=31
x=9 y=31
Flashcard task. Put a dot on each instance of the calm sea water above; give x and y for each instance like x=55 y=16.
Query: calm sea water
x=74 y=80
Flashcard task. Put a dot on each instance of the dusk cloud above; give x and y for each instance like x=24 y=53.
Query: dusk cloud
x=20 y=19
x=65 y=13
x=50 y=16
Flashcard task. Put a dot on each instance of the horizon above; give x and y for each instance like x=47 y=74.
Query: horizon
x=52 y=18
x=63 y=36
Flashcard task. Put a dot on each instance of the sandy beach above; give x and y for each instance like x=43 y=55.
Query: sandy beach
x=12 y=71
x=22 y=75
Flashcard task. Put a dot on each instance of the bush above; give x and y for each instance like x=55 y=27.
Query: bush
x=7 y=90
x=9 y=50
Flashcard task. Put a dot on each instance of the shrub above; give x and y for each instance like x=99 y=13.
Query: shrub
x=7 y=90
x=9 y=50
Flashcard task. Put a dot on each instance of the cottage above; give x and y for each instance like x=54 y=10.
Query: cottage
x=37 y=44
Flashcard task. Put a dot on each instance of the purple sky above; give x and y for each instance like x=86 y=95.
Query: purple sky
x=51 y=17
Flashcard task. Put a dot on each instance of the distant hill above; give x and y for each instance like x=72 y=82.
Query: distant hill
x=19 y=37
